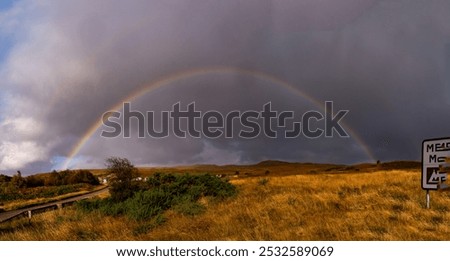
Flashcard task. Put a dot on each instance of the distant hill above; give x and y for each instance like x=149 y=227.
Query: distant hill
x=274 y=166
x=271 y=163
x=401 y=165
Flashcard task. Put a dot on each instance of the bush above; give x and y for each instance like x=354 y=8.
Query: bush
x=83 y=176
x=34 y=181
x=122 y=186
x=89 y=205
x=112 y=208
x=162 y=192
x=263 y=182
x=193 y=185
x=189 y=207
x=146 y=204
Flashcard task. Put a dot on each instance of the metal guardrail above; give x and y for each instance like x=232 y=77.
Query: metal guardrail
x=28 y=212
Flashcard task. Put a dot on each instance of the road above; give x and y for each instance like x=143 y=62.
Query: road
x=5 y=216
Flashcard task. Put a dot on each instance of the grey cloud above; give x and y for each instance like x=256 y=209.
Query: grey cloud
x=385 y=61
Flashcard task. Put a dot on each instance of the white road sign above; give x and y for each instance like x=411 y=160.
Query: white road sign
x=435 y=163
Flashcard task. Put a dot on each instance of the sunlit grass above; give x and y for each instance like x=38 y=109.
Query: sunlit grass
x=380 y=205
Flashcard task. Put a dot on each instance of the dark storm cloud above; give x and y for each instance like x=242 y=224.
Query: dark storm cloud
x=385 y=61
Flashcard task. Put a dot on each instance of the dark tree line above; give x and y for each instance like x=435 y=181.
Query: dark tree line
x=66 y=177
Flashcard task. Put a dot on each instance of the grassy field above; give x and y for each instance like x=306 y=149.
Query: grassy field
x=275 y=201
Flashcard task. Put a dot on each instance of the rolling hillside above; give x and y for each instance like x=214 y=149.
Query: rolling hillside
x=275 y=201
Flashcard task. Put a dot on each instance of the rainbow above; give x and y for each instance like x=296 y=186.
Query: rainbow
x=183 y=75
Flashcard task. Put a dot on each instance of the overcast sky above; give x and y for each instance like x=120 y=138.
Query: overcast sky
x=64 y=63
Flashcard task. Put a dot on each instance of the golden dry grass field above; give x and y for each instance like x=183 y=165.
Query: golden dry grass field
x=275 y=201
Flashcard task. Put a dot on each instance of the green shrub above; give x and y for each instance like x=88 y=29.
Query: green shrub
x=112 y=208
x=189 y=207
x=194 y=185
x=162 y=192
x=89 y=205
x=146 y=204
x=144 y=227
x=263 y=182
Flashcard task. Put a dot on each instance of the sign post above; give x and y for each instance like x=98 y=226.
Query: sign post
x=435 y=164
